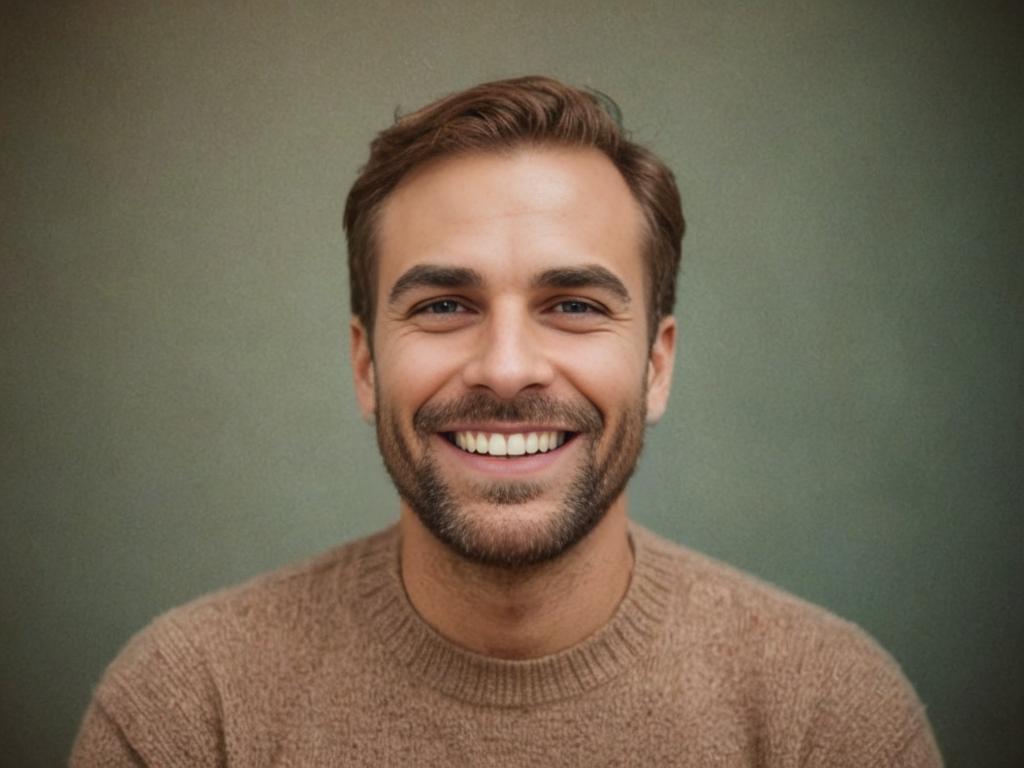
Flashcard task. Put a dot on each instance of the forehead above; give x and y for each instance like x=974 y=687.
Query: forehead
x=512 y=215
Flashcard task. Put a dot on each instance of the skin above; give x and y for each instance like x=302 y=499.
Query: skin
x=509 y=334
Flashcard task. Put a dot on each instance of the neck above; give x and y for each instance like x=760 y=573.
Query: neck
x=518 y=613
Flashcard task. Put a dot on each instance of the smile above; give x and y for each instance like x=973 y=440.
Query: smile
x=507 y=444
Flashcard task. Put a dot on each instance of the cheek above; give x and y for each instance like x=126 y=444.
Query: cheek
x=608 y=372
x=410 y=372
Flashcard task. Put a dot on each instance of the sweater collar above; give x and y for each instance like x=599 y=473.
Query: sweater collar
x=479 y=679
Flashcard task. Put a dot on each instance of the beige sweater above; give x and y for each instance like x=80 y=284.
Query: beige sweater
x=327 y=664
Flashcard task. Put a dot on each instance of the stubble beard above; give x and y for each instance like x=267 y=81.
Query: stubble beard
x=487 y=528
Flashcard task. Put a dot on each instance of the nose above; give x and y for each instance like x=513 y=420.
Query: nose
x=509 y=354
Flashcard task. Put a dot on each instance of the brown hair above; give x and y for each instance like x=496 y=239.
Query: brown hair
x=500 y=116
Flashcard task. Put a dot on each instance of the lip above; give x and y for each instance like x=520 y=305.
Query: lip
x=500 y=466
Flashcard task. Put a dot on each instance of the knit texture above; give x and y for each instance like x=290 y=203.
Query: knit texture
x=327 y=663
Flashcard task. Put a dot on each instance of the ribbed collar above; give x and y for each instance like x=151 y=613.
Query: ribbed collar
x=479 y=679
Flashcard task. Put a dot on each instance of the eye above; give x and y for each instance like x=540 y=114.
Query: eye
x=440 y=307
x=576 y=307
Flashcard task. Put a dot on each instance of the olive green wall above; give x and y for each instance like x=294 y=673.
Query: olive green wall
x=176 y=410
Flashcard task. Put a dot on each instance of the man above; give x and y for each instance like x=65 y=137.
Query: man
x=512 y=261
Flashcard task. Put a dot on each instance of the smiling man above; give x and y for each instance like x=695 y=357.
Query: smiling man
x=512 y=265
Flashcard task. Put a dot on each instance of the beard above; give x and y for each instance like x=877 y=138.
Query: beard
x=491 y=523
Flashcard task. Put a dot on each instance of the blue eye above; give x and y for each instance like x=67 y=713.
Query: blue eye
x=574 y=307
x=442 y=307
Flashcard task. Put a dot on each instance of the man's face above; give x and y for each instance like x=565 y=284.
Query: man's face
x=511 y=376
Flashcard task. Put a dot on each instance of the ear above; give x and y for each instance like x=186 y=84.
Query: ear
x=362 y=369
x=659 y=369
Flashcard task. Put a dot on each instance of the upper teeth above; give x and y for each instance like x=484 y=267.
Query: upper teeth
x=516 y=444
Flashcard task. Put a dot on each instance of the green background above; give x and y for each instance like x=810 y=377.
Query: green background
x=176 y=409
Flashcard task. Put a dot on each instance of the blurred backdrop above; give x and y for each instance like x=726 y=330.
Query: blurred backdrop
x=176 y=412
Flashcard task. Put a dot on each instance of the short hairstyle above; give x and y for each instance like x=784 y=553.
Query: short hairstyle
x=502 y=116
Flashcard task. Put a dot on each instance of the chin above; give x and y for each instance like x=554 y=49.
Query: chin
x=510 y=535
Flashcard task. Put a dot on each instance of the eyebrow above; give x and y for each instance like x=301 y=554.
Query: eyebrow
x=590 y=276
x=438 y=276
x=434 y=276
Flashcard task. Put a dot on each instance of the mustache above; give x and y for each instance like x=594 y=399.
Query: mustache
x=535 y=408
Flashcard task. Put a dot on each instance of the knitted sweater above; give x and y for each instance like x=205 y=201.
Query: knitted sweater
x=327 y=663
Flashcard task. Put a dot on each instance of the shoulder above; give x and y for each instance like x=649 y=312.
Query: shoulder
x=166 y=690
x=721 y=601
x=303 y=600
x=806 y=672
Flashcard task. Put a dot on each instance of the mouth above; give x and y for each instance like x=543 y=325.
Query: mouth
x=508 y=444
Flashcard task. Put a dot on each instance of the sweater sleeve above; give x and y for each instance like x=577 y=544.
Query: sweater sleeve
x=156 y=705
x=920 y=751
x=866 y=713
x=101 y=743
